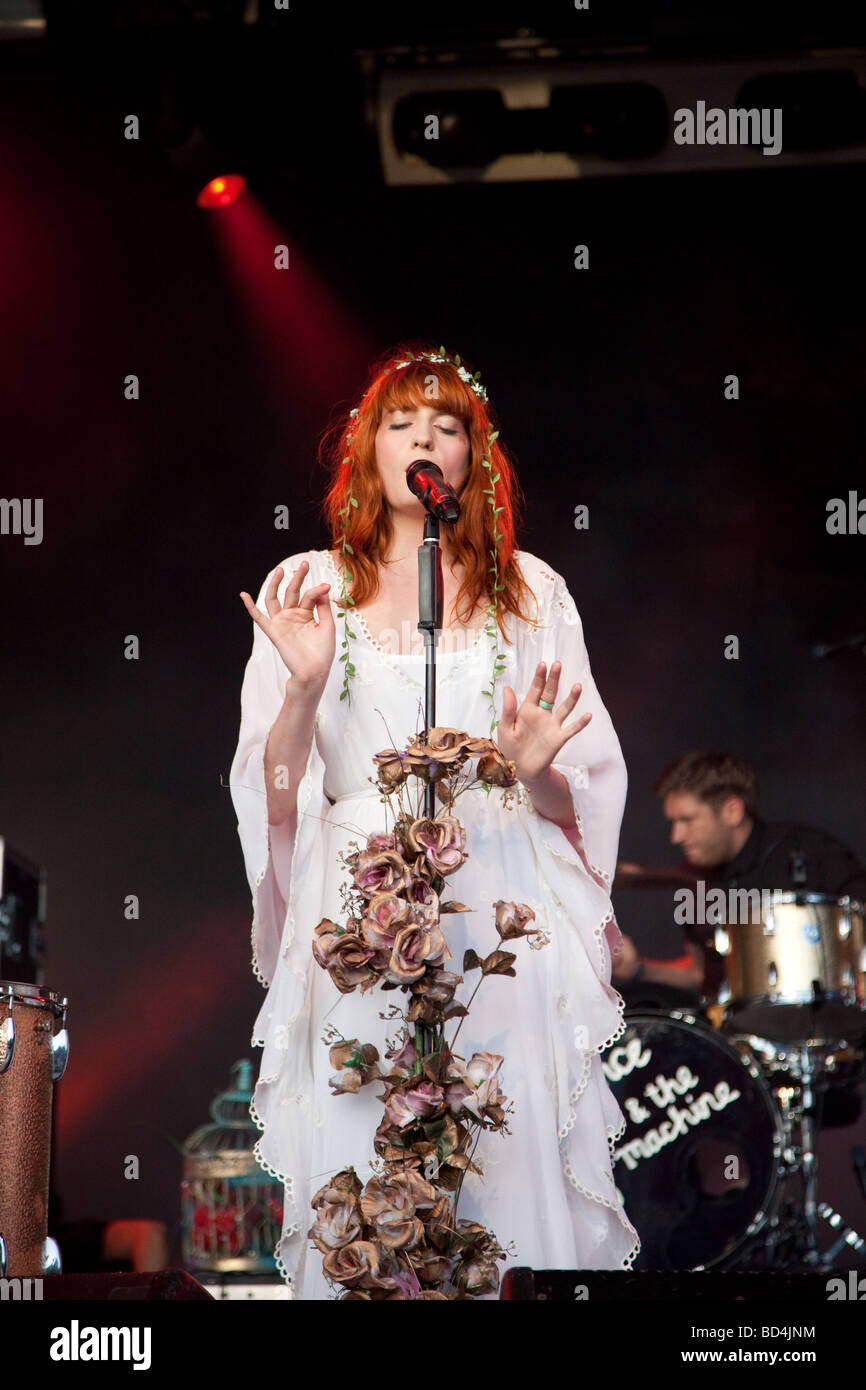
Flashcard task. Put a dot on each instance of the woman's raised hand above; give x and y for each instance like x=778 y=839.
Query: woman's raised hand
x=306 y=647
x=532 y=736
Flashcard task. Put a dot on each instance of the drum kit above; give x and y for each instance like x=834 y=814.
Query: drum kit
x=34 y=1047
x=717 y=1166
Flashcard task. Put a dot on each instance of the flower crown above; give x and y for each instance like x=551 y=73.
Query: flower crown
x=492 y=626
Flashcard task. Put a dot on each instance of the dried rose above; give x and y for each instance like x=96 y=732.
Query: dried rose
x=382 y=841
x=336 y=1224
x=388 y=1205
x=357 y=1263
x=349 y=1053
x=381 y=871
x=418 y=1101
x=395 y=1191
x=496 y=770
x=511 y=920
x=476 y=1276
x=441 y=753
x=437 y=986
x=476 y=1087
x=347 y=960
x=424 y=915
x=421 y=891
x=324 y=932
x=432 y=1266
x=393 y=767
x=422 y=1192
x=385 y=915
x=356 y=1066
x=456 y=1095
x=442 y=841
x=438 y=1223
x=343 y=1186
x=414 y=948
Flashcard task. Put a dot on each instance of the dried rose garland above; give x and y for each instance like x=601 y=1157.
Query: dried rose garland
x=398 y=1237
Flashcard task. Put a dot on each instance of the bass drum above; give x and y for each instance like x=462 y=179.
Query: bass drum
x=698 y=1165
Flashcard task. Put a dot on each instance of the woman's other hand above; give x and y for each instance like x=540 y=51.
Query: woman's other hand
x=531 y=736
x=307 y=648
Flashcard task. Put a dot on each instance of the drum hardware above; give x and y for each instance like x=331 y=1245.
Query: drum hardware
x=7 y=1044
x=848 y=1237
x=794 y=997
x=789 y=1239
x=837 y=1063
x=51 y=1261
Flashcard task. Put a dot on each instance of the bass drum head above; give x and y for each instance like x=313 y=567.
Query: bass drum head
x=697 y=1165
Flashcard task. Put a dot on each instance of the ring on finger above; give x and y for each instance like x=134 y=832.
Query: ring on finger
x=553 y=681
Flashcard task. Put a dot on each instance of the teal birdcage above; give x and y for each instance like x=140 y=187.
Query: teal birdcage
x=231 y=1210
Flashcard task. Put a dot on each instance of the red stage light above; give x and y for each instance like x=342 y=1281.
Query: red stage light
x=221 y=191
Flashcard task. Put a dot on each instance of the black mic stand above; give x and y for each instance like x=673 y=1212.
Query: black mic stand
x=431 y=598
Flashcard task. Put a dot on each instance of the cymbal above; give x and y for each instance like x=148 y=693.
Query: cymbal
x=652 y=876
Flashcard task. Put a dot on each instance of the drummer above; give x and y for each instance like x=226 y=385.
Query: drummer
x=711 y=801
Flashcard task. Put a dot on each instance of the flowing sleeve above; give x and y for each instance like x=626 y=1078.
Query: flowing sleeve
x=583 y=858
x=284 y=865
x=269 y=850
x=592 y=761
x=584 y=1013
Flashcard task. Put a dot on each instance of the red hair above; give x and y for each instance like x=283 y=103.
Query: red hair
x=348 y=449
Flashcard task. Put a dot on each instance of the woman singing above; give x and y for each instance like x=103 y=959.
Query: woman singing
x=511 y=665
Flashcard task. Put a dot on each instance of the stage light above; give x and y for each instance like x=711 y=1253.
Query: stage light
x=221 y=191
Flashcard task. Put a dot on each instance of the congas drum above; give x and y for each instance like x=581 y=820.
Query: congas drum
x=698 y=1165
x=33 y=1050
x=797 y=975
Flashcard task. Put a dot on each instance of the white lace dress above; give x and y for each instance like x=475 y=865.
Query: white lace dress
x=548 y=1190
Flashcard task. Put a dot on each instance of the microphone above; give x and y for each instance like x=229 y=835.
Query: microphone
x=427 y=481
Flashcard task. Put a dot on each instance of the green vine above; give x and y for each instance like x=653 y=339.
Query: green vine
x=346 y=573
x=492 y=628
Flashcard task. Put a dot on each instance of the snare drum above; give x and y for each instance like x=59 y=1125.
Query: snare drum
x=33 y=1050
x=797 y=975
x=698 y=1165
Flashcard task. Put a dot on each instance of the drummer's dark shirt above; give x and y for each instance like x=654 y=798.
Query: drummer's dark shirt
x=783 y=857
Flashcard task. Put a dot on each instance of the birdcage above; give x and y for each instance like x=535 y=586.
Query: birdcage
x=231 y=1210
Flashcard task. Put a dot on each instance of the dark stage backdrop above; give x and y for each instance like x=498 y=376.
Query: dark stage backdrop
x=706 y=515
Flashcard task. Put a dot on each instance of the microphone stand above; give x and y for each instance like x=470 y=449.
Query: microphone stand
x=431 y=598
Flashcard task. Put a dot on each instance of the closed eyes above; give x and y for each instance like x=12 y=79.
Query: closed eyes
x=406 y=423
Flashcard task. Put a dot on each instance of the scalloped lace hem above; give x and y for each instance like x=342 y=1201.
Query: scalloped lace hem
x=288 y=1184
x=616 y=1207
